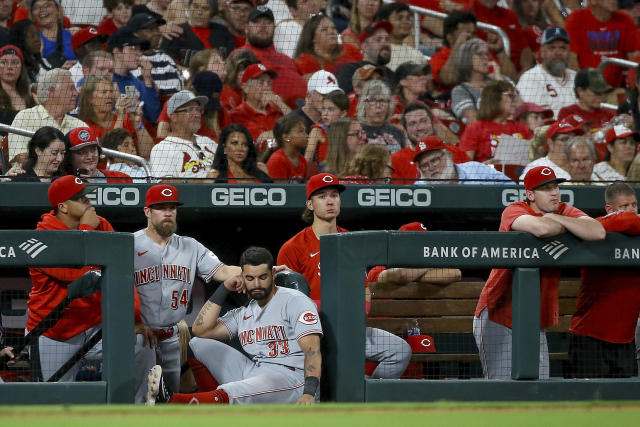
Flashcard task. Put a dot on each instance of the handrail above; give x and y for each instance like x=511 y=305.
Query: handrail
x=111 y=153
x=506 y=43
x=616 y=61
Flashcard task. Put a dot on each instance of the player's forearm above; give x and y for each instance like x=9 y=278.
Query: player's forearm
x=585 y=228
x=207 y=320
x=310 y=345
x=227 y=272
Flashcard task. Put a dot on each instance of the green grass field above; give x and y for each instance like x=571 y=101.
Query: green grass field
x=565 y=414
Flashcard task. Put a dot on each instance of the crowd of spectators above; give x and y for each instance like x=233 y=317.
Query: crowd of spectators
x=259 y=64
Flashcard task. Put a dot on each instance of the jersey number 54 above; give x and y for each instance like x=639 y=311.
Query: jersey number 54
x=179 y=298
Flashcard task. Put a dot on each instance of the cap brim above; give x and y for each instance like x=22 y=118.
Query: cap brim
x=558 y=180
x=165 y=203
x=338 y=187
x=86 y=190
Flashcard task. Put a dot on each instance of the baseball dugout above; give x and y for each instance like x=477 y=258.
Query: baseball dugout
x=76 y=249
x=343 y=267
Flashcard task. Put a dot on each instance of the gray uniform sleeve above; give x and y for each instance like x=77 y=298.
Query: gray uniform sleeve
x=230 y=321
x=207 y=263
x=303 y=316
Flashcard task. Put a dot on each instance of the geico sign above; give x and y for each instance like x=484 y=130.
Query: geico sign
x=394 y=197
x=112 y=196
x=248 y=196
x=512 y=195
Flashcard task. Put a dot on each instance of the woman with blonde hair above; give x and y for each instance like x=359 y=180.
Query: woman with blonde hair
x=346 y=138
x=362 y=14
x=374 y=111
x=371 y=165
x=96 y=106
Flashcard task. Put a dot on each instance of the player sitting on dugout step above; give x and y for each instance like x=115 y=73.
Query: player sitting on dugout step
x=283 y=367
x=301 y=253
x=166 y=265
x=543 y=215
x=402 y=276
x=603 y=327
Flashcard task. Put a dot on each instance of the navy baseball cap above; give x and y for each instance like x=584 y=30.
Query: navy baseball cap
x=207 y=83
x=555 y=33
x=259 y=12
x=140 y=21
x=125 y=37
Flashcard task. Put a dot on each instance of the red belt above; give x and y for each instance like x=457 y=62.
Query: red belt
x=163 y=334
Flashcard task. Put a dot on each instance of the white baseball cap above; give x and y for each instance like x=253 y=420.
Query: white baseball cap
x=323 y=82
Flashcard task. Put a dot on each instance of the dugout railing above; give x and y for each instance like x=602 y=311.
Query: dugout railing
x=78 y=249
x=346 y=256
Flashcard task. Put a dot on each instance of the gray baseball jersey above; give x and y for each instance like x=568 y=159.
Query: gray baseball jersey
x=164 y=276
x=270 y=334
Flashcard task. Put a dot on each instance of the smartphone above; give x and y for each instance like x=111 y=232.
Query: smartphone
x=132 y=93
x=82 y=173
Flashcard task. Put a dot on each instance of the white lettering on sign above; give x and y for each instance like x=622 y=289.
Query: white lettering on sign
x=390 y=197
x=479 y=252
x=512 y=195
x=624 y=253
x=248 y=196
x=7 y=252
x=115 y=196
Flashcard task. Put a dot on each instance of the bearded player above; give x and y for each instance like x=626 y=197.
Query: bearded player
x=165 y=268
x=301 y=253
x=279 y=329
x=543 y=215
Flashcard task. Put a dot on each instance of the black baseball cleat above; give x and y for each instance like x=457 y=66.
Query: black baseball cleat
x=157 y=392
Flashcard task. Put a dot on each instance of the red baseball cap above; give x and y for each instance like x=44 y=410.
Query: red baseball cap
x=256 y=70
x=430 y=143
x=161 y=193
x=81 y=137
x=421 y=343
x=372 y=28
x=10 y=49
x=84 y=35
x=540 y=175
x=530 y=107
x=566 y=125
x=413 y=226
x=620 y=131
x=68 y=187
x=323 y=180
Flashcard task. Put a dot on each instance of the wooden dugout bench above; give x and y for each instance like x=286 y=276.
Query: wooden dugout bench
x=446 y=314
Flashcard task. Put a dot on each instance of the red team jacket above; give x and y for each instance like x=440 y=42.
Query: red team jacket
x=609 y=299
x=496 y=294
x=49 y=288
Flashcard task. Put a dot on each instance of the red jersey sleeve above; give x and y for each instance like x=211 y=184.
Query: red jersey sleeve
x=164 y=117
x=374 y=273
x=307 y=64
x=622 y=222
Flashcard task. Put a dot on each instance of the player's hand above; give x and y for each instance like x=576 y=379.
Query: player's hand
x=279 y=268
x=90 y=217
x=148 y=336
x=7 y=352
x=235 y=284
x=306 y=400
x=171 y=30
x=494 y=41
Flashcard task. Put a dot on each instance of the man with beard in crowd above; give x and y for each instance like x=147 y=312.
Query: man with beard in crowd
x=289 y=84
x=551 y=82
x=376 y=50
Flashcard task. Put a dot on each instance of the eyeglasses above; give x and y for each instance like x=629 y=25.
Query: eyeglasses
x=359 y=134
x=190 y=110
x=379 y=101
x=483 y=54
x=431 y=163
x=8 y=63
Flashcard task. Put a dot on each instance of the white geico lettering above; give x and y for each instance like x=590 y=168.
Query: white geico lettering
x=115 y=196
x=512 y=195
x=403 y=197
x=245 y=196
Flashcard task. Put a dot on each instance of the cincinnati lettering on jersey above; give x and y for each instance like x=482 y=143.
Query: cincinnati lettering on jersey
x=169 y=272
x=263 y=333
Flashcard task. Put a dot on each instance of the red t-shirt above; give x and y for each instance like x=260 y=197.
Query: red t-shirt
x=203 y=34
x=301 y=253
x=508 y=21
x=593 y=119
x=289 y=84
x=592 y=39
x=280 y=167
x=308 y=64
x=240 y=41
x=107 y=27
x=483 y=136
x=496 y=294
x=323 y=145
x=230 y=98
x=253 y=120
x=609 y=300
x=437 y=61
